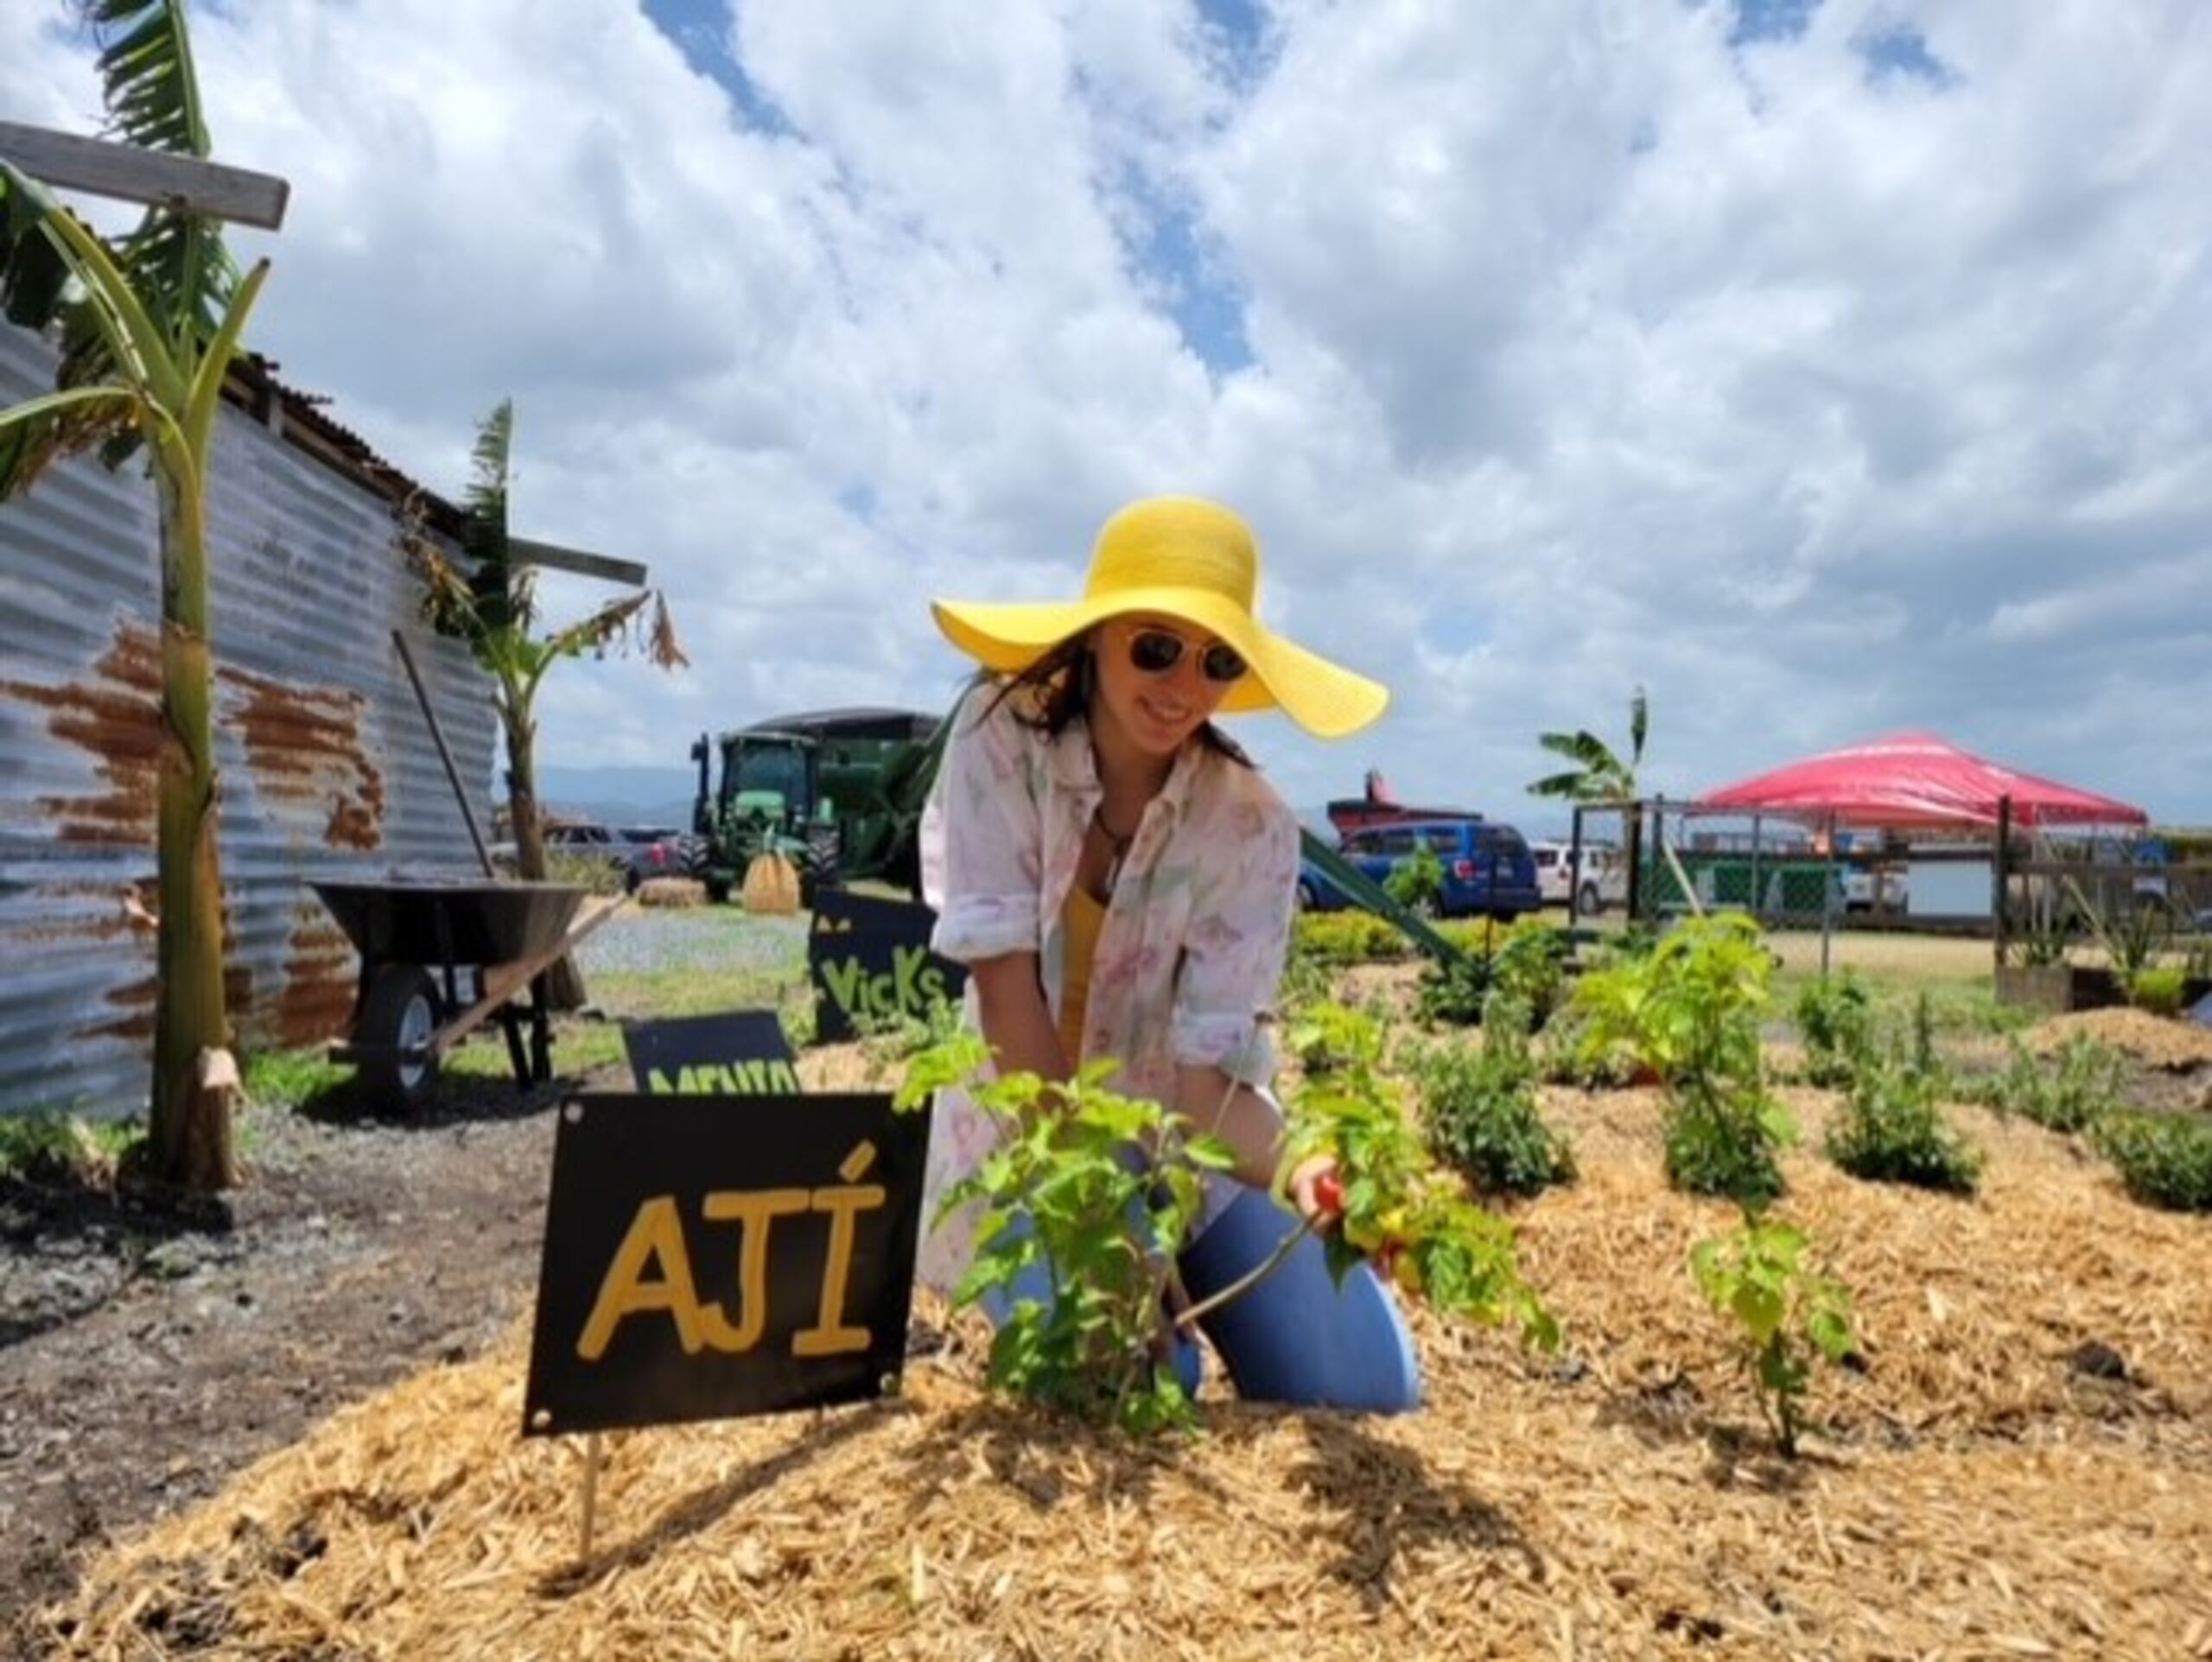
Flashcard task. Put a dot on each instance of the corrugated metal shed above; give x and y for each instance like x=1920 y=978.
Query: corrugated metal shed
x=328 y=768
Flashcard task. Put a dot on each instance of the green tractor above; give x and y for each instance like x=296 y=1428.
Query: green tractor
x=838 y=793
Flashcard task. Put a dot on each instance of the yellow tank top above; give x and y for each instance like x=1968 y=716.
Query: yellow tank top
x=1080 y=919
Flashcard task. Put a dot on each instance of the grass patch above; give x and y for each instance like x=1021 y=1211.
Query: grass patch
x=55 y=1150
x=576 y=1050
x=1955 y=1005
x=290 y=1079
x=663 y=993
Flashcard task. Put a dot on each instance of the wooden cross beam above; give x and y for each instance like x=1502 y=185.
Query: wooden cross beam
x=154 y=177
x=553 y=557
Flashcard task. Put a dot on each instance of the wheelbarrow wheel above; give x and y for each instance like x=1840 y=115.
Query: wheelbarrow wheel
x=401 y=1012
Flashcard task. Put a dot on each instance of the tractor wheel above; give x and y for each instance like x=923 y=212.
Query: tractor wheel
x=402 y=1010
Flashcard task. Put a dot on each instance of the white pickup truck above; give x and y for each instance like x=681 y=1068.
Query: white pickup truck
x=1602 y=879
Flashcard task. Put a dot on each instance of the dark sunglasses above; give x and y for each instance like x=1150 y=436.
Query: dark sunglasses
x=1155 y=651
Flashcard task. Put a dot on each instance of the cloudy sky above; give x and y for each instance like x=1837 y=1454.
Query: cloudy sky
x=1827 y=367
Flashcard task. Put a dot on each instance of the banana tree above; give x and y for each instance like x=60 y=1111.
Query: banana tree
x=492 y=606
x=148 y=327
x=1599 y=776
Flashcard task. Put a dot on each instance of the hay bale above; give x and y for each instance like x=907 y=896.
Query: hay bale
x=672 y=891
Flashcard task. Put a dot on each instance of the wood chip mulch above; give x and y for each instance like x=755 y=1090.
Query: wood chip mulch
x=2167 y=1042
x=2021 y=1466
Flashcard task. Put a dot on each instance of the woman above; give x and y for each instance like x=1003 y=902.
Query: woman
x=1120 y=881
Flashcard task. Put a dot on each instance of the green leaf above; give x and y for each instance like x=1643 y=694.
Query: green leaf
x=1759 y=1309
x=1831 y=1332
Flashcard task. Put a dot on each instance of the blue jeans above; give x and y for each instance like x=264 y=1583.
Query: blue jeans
x=1298 y=1337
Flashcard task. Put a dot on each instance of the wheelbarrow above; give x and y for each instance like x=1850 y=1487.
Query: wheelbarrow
x=438 y=960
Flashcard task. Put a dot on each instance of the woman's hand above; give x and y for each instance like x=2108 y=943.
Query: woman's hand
x=1317 y=1190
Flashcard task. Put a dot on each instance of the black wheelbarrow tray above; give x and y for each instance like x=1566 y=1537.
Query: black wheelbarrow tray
x=438 y=960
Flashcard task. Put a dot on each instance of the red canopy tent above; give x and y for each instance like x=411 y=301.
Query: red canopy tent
x=1916 y=780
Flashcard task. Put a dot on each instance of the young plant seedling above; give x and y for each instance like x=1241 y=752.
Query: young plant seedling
x=1786 y=1316
x=1688 y=1012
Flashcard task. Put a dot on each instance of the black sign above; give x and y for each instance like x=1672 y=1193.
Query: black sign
x=739 y=1053
x=701 y=1263
x=871 y=961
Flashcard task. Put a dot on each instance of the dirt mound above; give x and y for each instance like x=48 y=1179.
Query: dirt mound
x=2022 y=1465
x=2162 y=1041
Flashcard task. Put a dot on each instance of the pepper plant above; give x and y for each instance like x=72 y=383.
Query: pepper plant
x=1063 y=1200
x=1397 y=1207
x=1788 y=1315
x=1077 y=1233
x=1689 y=1012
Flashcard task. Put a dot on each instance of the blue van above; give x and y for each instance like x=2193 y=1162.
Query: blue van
x=1488 y=870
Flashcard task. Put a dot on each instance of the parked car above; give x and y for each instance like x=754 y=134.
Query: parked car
x=635 y=852
x=1602 y=876
x=1316 y=893
x=1488 y=869
x=656 y=851
x=1876 y=889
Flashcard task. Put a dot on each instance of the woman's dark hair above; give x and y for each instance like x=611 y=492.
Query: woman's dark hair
x=1062 y=680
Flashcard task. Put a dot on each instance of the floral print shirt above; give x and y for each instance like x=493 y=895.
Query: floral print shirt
x=1191 y=949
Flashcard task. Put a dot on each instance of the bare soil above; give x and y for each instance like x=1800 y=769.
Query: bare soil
x=150 y=1351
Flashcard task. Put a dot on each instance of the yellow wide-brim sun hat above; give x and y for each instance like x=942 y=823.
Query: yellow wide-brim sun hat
x=1193 y=560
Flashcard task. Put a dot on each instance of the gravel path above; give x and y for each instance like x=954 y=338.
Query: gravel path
x=640 y=942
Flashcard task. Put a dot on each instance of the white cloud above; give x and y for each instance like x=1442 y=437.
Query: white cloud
x=1585 y=350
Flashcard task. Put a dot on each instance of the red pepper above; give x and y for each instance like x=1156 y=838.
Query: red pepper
x=1329 y=1195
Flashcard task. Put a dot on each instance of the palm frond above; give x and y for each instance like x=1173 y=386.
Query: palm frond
x=603 y=628
x=662 y=648
x=1639 y=723
x=1583 y=746
x=146 y=74
x=175 y=260
x=1568 y=785
x=33 y=275
x=503 y=599
x=107 y=339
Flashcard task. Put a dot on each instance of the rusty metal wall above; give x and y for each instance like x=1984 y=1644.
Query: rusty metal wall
x=327 y=767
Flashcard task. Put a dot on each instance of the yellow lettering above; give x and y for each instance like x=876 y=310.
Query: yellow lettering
x=754 y=1210
x=659 y=1083
x=657 y=1232
x=828 y=1336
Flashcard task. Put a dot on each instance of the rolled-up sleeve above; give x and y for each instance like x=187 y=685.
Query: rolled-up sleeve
x=1238 y=939
x=982 y=847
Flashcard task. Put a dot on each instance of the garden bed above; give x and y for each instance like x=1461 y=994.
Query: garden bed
x=2023 y=1466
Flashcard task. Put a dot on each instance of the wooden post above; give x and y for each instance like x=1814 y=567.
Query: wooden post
x=2000 y=881
x=1828 y=896
x=591 y=1493
x=1633 y=812
x=1758 y=896
x=438 y=738
x=1575 y=869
